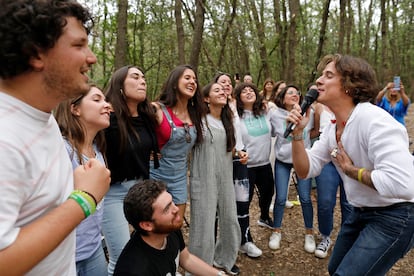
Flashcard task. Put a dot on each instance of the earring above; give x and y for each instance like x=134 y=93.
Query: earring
x=347 y=91
x=122 y=91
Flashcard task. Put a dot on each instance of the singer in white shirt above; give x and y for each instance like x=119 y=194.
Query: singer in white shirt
x=370 y=151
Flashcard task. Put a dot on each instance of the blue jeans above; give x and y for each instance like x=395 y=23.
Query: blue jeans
x=114 y=224
x=282 y=173
x=95 y=265
x=371 y=241
x=326 y=186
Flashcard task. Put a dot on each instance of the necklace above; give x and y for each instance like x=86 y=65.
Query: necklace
x=340 y=131
x=182 y=115
x=164 y=244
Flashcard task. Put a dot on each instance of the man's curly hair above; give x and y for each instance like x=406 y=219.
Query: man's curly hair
x=139 y=200
x=32 y=26
x=357 y=76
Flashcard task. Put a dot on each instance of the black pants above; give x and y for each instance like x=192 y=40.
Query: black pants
x=262 y=177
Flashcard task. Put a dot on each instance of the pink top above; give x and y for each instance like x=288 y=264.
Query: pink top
x=163 y=131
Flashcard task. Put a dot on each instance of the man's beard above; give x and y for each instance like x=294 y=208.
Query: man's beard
x=166 y=229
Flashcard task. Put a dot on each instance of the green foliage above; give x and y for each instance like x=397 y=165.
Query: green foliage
x=233 y=45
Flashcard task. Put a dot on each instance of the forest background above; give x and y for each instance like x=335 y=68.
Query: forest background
x=278 y=39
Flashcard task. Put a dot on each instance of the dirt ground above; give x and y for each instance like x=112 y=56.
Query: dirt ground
x=292 y=259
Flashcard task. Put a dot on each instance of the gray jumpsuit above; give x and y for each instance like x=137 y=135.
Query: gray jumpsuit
x=211 y=192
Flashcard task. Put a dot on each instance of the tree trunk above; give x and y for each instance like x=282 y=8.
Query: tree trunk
x=384 y=35
x=322 y=34
x=281 y=32
x=294 y=9
x=229 y=25
x=342 y=23
x=365 y=47
x=349 y=19
x=261 y=38
x=198 y=33
x=180 y=31
x=121 y=47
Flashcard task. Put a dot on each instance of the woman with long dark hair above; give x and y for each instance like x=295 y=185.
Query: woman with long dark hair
x=131 y=140
x=179 y=110
x=211 y=185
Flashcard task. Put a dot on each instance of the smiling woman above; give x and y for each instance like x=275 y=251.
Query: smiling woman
x=179 y=111
x=211 y=185
x=285 y=100
x=81 y=121
x=257 y=126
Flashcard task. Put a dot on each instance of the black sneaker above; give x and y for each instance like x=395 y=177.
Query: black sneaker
x=266 y=223
x=235 y=270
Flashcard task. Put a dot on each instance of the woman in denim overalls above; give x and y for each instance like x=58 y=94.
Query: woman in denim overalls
x=179 y=112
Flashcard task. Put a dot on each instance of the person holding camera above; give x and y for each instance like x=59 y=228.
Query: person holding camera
x=395 y=101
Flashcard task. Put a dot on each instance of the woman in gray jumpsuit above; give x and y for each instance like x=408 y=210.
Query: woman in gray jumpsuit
x=211 y=186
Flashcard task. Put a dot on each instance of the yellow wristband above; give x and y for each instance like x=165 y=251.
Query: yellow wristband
x=360 y=171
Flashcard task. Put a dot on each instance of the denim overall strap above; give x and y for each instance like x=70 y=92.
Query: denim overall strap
x=173 y=162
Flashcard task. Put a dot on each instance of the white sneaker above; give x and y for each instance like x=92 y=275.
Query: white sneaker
x=288 y=204
x=323 y=248
x=274 y=241
x=251 y=250
x=309 y=243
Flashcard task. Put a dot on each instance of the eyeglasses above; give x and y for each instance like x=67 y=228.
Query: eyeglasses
x=291 y=92
x=187 y=132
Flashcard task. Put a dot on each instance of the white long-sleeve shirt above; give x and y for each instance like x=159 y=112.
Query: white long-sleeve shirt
x=375 y=141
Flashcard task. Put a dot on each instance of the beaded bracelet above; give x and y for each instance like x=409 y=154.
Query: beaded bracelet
x=85 y=201
x=297 y=137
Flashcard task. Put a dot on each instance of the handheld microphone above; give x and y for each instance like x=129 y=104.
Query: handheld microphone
x=310 y=97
